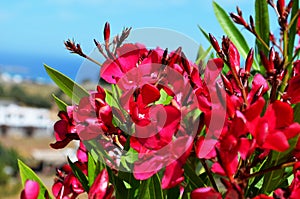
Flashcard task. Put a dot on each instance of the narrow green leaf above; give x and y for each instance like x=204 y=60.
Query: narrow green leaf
x=173 y=192
x=204 y=55
x=91 y=169
x=273 y=179
x=194 y=180
x=68 y=86
x=62 y=106
x=297 y=113
x=233 y=33
x=205 y=34
x=79 y=175
x=26 y=173
x=262 y=25
x=151 y=188
x=293 y=30
x=129 y=181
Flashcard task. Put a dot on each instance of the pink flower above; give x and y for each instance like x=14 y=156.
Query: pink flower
x=31 y=190
x=128 y=58
x=66 y=184
x=275 y=128
x=64 y=129
x=100 y=187
x=205 y=193
x=293 y=90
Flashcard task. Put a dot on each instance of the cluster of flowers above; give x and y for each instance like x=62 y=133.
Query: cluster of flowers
x=242 y=118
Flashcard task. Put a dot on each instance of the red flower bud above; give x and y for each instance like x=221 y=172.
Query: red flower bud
x=175 y=57
x=227 y=84
x=233 y=57
x=265 y=62
x=185 y=63
x=272 y=38
x=106 y=32
x=239 y=11
x=280 y=6
x=249 y=61
x=214 y=43
x=100 y=185
x=271 y=59
x=252 y=23
x=289 y=6
x=238 y=19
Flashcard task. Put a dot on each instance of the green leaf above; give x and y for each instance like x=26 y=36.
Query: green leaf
x=128 y=159
x=26 y=173
x=68 y=86
x=151 y=188
x=79 y=175
x=293 y=29
x=164 y=99
x=91 y=170
x=132 y=185
x=173 y=193
x=205 y=34
x=203 y=55
x=273 y=179
x=190 y=175
x=233 y=33
x=262 y=25
x=61 y=104
x=297 y=113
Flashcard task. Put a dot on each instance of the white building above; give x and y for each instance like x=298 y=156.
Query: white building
x=15 y=116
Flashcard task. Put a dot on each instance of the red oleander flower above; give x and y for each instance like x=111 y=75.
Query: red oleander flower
x=205 y=193
x=275 y=128
x=64 y=129
x=31 y=190
x=66 y=184
x=293 y=90
x=101 y=188
x=93 y=116
x=129 y=56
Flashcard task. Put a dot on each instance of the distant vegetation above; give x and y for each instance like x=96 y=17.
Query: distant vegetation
x=28 y=94
x=8 y=164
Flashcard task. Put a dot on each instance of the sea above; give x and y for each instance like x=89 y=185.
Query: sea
x=30 y=67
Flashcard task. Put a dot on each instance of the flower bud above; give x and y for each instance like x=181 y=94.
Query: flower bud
x=252 y=23
x=106 y=32
x=239 y=11
x=238 y=19
x=271 y=59
x=175 y=56
x=185 y=63
x=227 y=84
x=214 y=43
x=280 y=7
x=249 y=61
x=234 y=57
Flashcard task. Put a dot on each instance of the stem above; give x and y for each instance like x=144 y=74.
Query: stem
x=261 y=41
x=274 y=89
x=285 y=58
x=293 y=20
x=280 y=166
x=93 y=60
x=210 y=176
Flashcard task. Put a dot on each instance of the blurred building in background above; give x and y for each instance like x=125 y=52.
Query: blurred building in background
x=30 y=121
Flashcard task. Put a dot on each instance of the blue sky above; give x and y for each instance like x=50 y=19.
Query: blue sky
x=32 y=32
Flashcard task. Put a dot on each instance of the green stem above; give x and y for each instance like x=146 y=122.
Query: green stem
x=280 y=166
x=210 y=176
x=286 y=65
x=261 y=41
